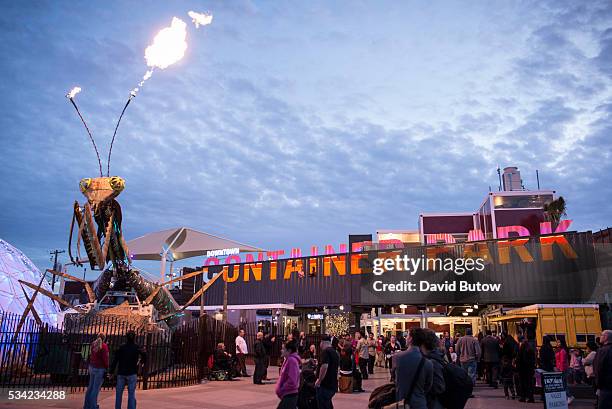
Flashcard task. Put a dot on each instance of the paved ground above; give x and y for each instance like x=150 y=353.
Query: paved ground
x=243 y=394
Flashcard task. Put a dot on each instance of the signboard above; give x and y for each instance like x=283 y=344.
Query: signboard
x=555 y=396
x=314 y=316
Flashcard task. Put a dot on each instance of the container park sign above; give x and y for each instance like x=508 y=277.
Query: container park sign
x=555 y=268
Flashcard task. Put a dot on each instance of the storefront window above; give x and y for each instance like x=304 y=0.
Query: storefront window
x=522 y=201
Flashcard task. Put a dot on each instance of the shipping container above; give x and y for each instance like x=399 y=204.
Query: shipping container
x=576 y=323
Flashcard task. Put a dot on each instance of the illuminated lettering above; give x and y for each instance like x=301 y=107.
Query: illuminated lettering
x=254 y=269
x=211 y=260
x=441 y=237
x=232 y=259
x=475 y=235
x=273 y=269
x=355 y=268
x=293 y=266
x=249 y=257
x=503 y=232
x=504 y=246
x=339 y=263
x=477 y=250
x=235 y=274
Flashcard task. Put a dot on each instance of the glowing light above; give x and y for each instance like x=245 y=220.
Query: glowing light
x=403 y=306
x=475 y=306
x=465 y=314
x=469 y=310
x=168 y=47
x=200 y=19
x=342 y=308
x=73 y=92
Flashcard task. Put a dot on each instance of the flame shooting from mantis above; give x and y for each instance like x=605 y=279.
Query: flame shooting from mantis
x=200 y=19
x=168 y=47
x=73 y=92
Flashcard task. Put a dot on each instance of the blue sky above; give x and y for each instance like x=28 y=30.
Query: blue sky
x=296 y=123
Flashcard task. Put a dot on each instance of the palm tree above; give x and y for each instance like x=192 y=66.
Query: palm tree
x=555 y=210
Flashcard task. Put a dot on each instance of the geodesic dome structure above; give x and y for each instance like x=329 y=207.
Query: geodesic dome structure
x=14 y=266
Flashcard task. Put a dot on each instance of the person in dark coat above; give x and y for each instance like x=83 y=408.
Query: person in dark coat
x=268 y=343
x=602 y=368
x=491 y=357
x=221 y=358
x=259 y=351
x=526 y=363
x=547 y=355
x=434 y=350
x=509 y=353
x=126 y=360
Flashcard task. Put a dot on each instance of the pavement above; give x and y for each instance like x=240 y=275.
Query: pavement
x=242 y=393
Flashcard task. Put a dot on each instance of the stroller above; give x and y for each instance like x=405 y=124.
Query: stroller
x=307 y=398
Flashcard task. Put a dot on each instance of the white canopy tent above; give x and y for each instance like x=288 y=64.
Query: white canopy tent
x=178 y=244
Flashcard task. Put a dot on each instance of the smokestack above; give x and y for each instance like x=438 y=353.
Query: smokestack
x=512 y=179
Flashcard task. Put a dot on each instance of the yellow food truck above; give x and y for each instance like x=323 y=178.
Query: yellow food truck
x=576 y=323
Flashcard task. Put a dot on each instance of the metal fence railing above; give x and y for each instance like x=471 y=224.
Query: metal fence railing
x=42 y=356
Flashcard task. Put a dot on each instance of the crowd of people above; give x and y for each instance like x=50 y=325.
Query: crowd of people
x=419 y=365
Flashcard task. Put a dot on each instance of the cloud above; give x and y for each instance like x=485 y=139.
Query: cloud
x=284 y=149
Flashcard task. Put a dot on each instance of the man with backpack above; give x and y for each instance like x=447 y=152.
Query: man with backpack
x=413 y=372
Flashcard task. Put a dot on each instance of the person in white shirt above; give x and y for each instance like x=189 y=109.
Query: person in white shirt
x=241 y=352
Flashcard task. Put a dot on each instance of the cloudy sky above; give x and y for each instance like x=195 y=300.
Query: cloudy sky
x=296 y=123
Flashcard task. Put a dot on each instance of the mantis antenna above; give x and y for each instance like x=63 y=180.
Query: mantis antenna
x=115 y=133
x=88 y=132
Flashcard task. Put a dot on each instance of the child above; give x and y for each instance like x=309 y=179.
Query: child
x=576 y=365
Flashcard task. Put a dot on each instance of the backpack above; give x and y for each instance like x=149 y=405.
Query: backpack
x=458 y=387
x=382 y=396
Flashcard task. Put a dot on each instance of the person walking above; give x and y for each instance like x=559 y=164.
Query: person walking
x=98 y=365
x=602 y=369
x=468 y=350
x=346 y=368
x=525 y=365
x=268 y=343
x=126 y=360
x=413 y=372
x=562 y=360
x=491 y=358
x=364 y=355
x=288 y=382
x=302 y=344
x=371 y=353
x=241 y=352
x=380 y=355
x=260 y=359
x=435 y=351
x=391 y=349
x=547 y=355
x=327 y=381
x=509 y=354
x=588 y=362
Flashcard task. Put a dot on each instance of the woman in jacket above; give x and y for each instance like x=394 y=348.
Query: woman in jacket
x=98 y=365
x=288 y=382
x=562 y=362
x=547 y=355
